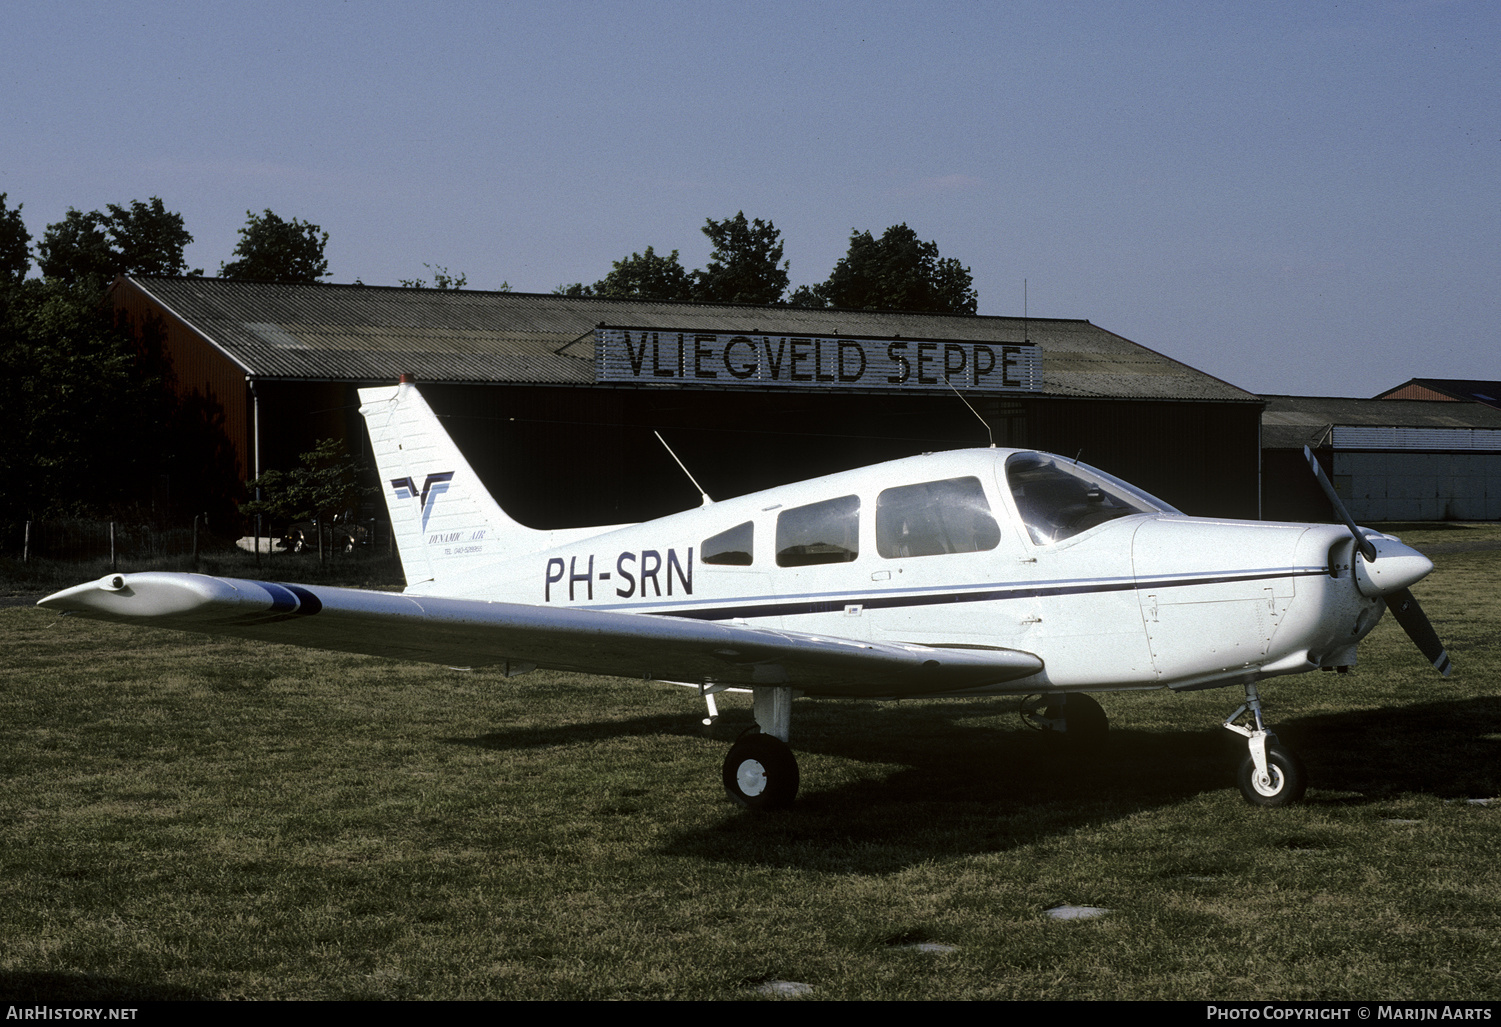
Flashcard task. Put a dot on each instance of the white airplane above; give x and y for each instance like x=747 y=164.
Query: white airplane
x=969 y=573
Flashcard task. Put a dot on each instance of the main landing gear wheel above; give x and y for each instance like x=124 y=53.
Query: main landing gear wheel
x=1076 y=719
x=1284 y=781
x=760 y=772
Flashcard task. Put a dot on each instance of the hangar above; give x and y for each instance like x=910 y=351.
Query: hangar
x=1389 y=459
x=556 y=399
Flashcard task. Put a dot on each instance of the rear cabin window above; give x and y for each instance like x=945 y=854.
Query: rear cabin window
x=1058 y=499
x=827 y=532
x=933 y=518
x=732 y=548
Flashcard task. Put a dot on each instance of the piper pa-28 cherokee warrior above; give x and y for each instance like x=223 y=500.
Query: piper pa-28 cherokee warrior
x=976 y=572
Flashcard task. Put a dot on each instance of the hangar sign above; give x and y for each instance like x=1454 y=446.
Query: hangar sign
x=655 y=356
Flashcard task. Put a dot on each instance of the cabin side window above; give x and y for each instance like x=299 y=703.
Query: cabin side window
x=1058 y=499
x=732 y=548
x=827 y=532
x=933 y=518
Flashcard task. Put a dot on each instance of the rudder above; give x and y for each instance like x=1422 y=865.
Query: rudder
x=444 y=520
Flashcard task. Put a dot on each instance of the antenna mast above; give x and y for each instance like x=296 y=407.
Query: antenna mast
x=971 y=410
x=701 y=492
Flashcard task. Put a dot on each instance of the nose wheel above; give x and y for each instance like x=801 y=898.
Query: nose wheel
x=1281 y=784
x=1270 y=775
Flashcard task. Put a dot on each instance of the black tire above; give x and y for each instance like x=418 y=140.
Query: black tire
x=760 y=772
x=1085 y=726
x=1288 y=778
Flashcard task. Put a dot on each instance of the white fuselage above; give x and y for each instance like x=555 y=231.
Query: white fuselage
x=1142 y=600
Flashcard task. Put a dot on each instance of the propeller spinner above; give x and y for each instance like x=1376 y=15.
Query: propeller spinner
x=1387 y=567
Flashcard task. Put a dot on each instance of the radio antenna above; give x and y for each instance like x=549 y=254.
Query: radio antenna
x=988 y=432
x=707 y=501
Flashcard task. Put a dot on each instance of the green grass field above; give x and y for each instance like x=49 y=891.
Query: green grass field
x=185 y=817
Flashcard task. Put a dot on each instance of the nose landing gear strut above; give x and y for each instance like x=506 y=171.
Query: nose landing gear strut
x=1270 y=775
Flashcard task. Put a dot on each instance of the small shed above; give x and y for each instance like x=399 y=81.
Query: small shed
x=1454 y=390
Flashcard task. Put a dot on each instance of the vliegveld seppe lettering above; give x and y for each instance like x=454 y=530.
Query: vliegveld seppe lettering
x=654 y=356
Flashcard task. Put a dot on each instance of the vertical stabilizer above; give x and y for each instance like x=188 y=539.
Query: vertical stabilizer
x=444 y=520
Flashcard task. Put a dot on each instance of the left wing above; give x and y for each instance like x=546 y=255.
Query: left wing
x=471 y=632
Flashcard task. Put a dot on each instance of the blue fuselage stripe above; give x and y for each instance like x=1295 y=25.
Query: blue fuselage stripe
x=787 y=606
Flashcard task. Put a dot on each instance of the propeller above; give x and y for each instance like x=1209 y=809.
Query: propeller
x=1410 y=615
x=1366 y=547
x=1387 y=568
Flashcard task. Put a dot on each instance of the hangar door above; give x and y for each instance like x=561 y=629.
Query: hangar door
x=1408 y=486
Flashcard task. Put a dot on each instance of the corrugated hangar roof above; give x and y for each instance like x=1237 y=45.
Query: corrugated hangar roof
x=372 y=333
x=1291 y=422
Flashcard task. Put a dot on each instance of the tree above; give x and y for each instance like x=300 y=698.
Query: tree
x=807 y=296
x=15 y=245
x=85 y=420
x=896 y=272
x=149 y=239
x=646 y=277
x=76 y=249
x=442 y=280
x=639 y=277
x=273 y=250
x=326 y=483
x=91 y=424
x=746 y=265
x=743 y=268
x=143 y=239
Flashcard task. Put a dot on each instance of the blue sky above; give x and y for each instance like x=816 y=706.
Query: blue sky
x=1296 y=197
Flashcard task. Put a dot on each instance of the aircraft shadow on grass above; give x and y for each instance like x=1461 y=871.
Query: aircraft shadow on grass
x=1449 y=749
x=1024 y=785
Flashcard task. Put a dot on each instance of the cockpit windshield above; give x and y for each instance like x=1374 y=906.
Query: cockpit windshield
x=1058 y=498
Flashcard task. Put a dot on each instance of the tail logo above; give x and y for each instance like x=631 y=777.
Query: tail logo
x=432 y=488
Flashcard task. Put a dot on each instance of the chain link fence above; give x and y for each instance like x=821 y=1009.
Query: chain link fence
x=62 y=549
x=78 y=541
